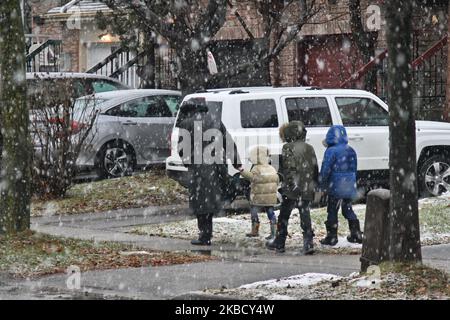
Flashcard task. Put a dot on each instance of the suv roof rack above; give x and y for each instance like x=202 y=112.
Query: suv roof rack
x=239 y=91
x=314 y=88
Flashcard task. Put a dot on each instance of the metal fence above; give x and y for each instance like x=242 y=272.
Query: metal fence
x=44 y=57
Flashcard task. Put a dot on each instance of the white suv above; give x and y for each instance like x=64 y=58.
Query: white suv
x=252 y=116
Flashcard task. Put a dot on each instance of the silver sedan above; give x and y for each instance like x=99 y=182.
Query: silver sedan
x=131 y=130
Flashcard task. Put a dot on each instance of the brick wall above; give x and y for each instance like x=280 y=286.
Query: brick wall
x=40 y=7
x=70 y=42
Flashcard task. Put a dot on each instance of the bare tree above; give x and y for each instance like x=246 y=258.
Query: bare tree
x=16 y=155
x=190 y=26
x=61 y=127
x=280 y=27
x=404 y=213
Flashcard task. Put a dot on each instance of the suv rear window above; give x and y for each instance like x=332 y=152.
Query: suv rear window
x=313 y=112
x=214 y=107
x=259 y=114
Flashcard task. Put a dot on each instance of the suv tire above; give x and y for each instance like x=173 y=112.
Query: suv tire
x=434 y=176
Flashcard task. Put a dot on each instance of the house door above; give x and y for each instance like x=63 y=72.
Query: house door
x=326 y=61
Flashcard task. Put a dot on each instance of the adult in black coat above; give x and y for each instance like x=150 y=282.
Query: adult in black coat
x=209 y=180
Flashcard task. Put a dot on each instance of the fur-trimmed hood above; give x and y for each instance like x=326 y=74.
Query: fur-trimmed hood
x=293 y=131
x=259 y=155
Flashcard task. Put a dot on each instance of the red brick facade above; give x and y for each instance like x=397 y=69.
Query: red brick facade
x=289 y=68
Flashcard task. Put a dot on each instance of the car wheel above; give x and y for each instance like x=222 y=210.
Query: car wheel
x=115 y=159
x=435 y=176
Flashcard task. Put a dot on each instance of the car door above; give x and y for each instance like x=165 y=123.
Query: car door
x=316 y=114
x=259 y=122
x=367 y=124
x=147 y=123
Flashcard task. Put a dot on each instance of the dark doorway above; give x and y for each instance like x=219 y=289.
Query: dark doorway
x=326 y=61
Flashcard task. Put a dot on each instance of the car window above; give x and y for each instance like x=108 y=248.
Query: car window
x=259 y=114
x=187 y=111
x=365 y=112
x=313 y=112
x=173 y=102
x=105 y=86
x=148 y=107
x=48 y=92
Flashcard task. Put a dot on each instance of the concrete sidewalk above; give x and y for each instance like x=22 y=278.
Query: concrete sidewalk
x=236 y=266
x=185 y=281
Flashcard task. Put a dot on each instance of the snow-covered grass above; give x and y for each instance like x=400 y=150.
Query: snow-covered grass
x=395 y=282
x=232 y=230
x=434 y=223
x=153 y=188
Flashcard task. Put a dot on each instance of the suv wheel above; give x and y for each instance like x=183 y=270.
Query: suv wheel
x=115 y=159
x=435 y=176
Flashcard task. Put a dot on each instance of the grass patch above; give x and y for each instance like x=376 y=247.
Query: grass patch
x=33 y=254
x=422 y=280
x=435 y=219
x=153 y=188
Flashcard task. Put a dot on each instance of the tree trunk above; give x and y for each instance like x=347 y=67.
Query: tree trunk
x=365 y=42
x=15 y=171
x=193 y=75
x=404 y=214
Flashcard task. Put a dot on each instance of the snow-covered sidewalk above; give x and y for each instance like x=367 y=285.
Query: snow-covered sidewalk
x=434 y=221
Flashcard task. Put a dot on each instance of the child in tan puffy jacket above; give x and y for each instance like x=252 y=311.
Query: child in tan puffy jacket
x=264 y=186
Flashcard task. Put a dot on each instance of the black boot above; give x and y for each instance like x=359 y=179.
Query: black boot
x=355 y=232
x=278 y=243
x=331 y=238
x=205 y=227
x=305 y=223
x=308 y=243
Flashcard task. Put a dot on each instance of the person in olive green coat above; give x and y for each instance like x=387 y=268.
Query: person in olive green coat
x=264 y=187
x=299 y=172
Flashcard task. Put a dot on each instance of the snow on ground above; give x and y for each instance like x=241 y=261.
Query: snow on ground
x=232 y=230
x=444 y=199
x=434 y=220
x=302 y=280
x=391 y=285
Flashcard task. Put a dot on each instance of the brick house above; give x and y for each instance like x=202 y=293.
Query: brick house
x=83 y=44
x=325 y=54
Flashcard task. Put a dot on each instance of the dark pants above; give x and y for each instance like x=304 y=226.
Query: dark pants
x=333 y=208
x=285 y=212
x=205 y=226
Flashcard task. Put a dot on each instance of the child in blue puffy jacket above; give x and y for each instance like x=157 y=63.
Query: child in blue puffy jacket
x=338 y=179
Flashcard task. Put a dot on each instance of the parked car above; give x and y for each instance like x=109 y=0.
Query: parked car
x=132 y=130
x=253 y=116
x=82 y=83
